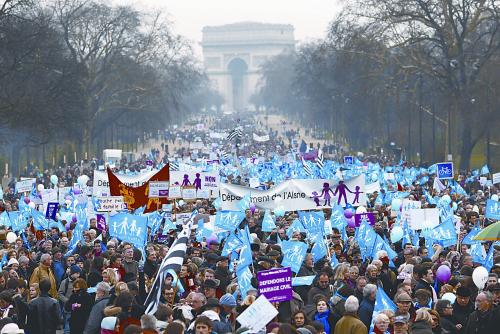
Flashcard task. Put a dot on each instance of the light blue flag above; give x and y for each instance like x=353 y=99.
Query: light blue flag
x=492 y=209
x=268 y=223
x=296 y=226
x=201 y=231
x=229 y=220
x=81 y=216
x=294 y=253
x=476 y=251
x=168 y=225
x=313 y=222
x=231 y=244
x=319 y=249
x=416 y=239
x=18 y=221
x=129 y=228
x=75 y=238
x=485 y=170
x=4 y=261
x=488 y=261
x=244 y=203
x=245 y=256
x=4 y=219
x=218 y=203
x=338 y=220
x=382 y=302
x=154 y=221
x=468 y=238
x=244 y=280
x=40 y=223
x=303 y=280
x=445 y=233
x=334 y=261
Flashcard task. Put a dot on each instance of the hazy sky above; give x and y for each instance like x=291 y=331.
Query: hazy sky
x=310 y=18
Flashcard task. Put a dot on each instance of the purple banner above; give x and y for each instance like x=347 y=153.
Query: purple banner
x=369 y=216
x=311 y=155
x=162 y=238
x=101 y=222
x=51 y=210
x=276 y=284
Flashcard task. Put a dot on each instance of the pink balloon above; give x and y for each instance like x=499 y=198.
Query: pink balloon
x=443 y=274
x=348 y=213
x=351 y=222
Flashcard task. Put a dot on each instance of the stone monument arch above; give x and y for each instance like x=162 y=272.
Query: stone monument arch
x=234 y=53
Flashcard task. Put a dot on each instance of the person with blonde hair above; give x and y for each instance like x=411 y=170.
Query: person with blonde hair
x=423 y=322
x=109 y=276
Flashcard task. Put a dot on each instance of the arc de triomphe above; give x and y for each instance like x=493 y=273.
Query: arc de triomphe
x=233 y=54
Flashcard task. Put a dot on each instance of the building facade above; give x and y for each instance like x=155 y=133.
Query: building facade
x=233 y=55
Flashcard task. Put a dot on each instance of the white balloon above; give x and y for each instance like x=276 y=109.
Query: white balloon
x=40 y=187
x=68 y=202
x=360 y=209
x=11 y=237
x=82 y=180
x=475 y=209
x=480 y=277
x=450 y=297
x=31 y=205
x=494 y=197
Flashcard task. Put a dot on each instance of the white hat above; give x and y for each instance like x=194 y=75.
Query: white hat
x=12 y=261
x=11 y=328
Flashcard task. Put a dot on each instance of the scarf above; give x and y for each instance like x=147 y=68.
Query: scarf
x=323 y=318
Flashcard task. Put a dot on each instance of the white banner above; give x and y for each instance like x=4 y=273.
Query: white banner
x=372 y=187
x=111 y=203
x=258 y=138
x=295 y=195
x=407 y=206
x=101 y=182
x=158 y=189
x=423 y=218
x=496 y=178
x=24 y=185
x=48 y=196
x=201 y=181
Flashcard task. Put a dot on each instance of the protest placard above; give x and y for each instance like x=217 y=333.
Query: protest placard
x=423 y=218
x=258 y=314
x=276 y=284
x=108 y=204
x=158 y=189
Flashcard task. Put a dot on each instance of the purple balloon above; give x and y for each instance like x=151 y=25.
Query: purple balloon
x=348 y=213
x=443 y=274
x=26 y=200
x=351 y=222
x=252 y=208
x=211 y=239
x=68 y=226
x=74 y=219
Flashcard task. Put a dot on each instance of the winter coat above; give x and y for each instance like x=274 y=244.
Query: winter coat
x=43 y=272
x=350 y=324
x=483 y=323
x=44 y=314
x=366 y=311
x=79 y=315
x=96 y=315
x=421 y=327
x=326 y=318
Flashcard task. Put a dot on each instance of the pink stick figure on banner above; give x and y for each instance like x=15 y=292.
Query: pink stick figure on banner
x=341 y=191
x=326 y=193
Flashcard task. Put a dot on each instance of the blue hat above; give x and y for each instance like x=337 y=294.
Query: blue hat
x=75 y=269
x=228 y=300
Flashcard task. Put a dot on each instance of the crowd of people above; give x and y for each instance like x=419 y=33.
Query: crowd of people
x=101 y=286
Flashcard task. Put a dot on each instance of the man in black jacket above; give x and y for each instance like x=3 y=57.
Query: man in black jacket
x=93 y=325
x=44 y=313
x=485 y=319
x=462 y=308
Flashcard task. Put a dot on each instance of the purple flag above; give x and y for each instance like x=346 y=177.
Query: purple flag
x=368 y=216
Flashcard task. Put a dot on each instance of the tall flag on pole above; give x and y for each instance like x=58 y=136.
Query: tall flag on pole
x=320 y=160
x=307 y=167
x=173 y=260
x=236 y=133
